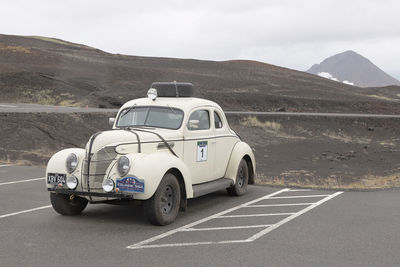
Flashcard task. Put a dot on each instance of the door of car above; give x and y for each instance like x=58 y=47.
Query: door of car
x=200 y=145
x=225 y=142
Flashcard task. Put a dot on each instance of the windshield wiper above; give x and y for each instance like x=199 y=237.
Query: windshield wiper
x=127 y=110
x=173 y=111
x=143 y=126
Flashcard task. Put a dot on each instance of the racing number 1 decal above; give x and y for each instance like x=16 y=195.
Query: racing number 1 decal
x=202 y=151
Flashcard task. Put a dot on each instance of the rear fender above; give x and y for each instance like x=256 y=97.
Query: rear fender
x=240 y=151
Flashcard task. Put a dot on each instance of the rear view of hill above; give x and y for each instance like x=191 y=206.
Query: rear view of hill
x=52 y=71
x=353 y=68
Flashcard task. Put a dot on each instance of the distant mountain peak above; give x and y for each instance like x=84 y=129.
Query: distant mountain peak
x=350 y=52
x=351 y=67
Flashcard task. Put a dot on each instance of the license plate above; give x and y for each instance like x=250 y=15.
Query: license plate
x=131 y=184
x=56 y=178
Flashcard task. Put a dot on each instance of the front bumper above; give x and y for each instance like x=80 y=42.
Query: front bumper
x=93 y=194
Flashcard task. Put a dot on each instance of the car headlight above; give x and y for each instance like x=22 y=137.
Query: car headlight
x=72 y=162
x=123 y=166
x=108 y=185
x=72 y=182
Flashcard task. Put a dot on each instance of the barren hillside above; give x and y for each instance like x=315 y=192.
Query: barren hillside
x=51 y=71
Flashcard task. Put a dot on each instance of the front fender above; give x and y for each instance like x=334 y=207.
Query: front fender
x=151 y=168
x=57 y=163
x=240 y=151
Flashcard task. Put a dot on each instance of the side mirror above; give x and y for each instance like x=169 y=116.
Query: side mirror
x=111 y=121
x=193 y=124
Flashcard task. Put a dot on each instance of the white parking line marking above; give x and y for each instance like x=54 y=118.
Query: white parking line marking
x=226 y=228
x=23 y=181
x=300 y=190
x=256 y=215
x=278 y=205
x=288 y=219
x=268 y=228
x=190 y=244
x=299 y=196
x=144 y=243
x=24 y=211
x=6 y=165
x=7 y=106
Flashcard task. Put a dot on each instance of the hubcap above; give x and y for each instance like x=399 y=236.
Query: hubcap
x=241 y=177
x=167 y=199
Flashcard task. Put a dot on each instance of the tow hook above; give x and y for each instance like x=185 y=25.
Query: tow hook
x=71 y=197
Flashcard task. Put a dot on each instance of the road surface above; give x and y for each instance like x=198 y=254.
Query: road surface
x=6 y=107
x=266 y=227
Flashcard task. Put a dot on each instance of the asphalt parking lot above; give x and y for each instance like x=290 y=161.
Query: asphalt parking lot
x=266 y=227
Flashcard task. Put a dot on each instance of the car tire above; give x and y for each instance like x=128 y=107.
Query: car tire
x=242 y=179
x=68 y=204
x=163 y=207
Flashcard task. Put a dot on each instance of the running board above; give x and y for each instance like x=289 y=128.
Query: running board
x=209 y=187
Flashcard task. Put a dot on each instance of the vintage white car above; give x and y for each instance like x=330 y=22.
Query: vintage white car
x=162 y=150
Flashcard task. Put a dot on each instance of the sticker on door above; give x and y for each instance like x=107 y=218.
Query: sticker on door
x=202 y=151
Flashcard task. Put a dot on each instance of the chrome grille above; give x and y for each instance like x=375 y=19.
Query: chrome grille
x=99 y=164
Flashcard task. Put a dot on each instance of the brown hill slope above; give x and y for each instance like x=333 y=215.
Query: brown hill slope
x=51 y=71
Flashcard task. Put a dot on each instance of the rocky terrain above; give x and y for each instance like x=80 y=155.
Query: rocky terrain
x=51 y=71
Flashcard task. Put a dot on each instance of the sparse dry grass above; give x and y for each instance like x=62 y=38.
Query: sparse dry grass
x=43 y=97
x=254 y=122
x=387 y=143
x=384 y=98
x=15 y=49
x=269 y=127
x=57 y=41
x=345 y=138
x=47 y=39
x=367 y=182
x=246 y=90
x=47 y=97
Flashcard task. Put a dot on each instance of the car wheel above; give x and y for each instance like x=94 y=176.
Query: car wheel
x=68 y=204
x=163 y=207
x=242 y=179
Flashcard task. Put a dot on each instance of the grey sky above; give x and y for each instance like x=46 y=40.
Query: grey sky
x=293 y=34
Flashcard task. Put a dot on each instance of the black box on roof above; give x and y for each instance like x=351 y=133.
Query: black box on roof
x=173 y=89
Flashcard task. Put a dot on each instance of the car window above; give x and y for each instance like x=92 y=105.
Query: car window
x=169 y=118
x=217 y=120
x=199 y=120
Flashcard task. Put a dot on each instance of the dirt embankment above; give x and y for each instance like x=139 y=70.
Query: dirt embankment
x=31 y=138
x=321 y=152
x=324 y=152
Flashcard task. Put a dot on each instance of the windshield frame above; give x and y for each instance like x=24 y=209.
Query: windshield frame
x=133 y=107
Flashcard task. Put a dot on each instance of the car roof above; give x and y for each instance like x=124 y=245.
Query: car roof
x=184 y=103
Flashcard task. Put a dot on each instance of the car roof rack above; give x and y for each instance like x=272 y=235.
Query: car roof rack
x=173 y=89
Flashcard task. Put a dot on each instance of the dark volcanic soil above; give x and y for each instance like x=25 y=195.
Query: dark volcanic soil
x=50 y=71
x=31 y=138
x=301 y=151
x=323 y=152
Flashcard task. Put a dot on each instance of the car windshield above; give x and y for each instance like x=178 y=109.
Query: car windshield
x=159 y=117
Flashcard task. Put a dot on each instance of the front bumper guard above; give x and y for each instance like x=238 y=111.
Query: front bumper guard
x=93 y=194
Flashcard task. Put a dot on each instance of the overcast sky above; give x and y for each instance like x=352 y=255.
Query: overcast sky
x=293 y=34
